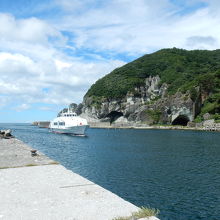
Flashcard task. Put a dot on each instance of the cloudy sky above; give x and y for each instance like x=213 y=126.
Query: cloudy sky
x=51 y=51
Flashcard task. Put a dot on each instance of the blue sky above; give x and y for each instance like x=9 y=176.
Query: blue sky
x=51 y=51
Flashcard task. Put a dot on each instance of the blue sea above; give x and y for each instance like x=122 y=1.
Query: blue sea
x=175 y=171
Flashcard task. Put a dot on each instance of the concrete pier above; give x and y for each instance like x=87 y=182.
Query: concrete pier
x=41 y=124
x=36 y=187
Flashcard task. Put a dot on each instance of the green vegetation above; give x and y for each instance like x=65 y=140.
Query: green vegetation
x=211 y=106
x=96 y=101
x=53 y=163
x=198 y=119
x=142 y=213
x=196 y=71
x=180 y=69
x=154 y=114
x=146 y=212
x=122 y=218
x=30 y=165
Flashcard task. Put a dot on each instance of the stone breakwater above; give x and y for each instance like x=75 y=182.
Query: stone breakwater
x=32 y=186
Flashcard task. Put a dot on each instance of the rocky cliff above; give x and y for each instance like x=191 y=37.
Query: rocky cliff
x=148 y=104
x=170 y=86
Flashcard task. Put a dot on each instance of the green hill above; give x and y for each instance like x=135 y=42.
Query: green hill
x=180 y=69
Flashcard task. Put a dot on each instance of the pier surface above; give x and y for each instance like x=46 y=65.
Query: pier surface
x=33 y=188
x=15 y=153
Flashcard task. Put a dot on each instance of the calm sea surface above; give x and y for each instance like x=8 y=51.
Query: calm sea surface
x=177 y=172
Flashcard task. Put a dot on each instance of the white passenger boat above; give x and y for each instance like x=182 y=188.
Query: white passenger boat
x=69 y=123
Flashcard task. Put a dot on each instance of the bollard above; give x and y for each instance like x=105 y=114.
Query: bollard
x=33 y=153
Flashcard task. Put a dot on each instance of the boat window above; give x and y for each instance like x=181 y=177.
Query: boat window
x=68 y=115
x=55 y=123
x=61 y=123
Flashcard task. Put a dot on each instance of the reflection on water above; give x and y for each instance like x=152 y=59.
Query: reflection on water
x=177 y=172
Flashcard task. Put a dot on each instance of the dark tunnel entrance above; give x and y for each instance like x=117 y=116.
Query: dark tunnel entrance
x=181 y=120
x=114 y=115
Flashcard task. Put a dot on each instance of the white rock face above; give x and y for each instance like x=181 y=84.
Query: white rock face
x=120 y=121
x=182 y=111
x=130 y=100
x=152 y=85
x=130 y=103
x=149 y=218
x=208 y=122
x=139 y=106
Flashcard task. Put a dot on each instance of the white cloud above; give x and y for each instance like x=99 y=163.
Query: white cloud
x=55 y=81
x=22 y=107
x=34 y=69
x=31 y=30
x=61 y=65
x=45 y=108
x=30 y=37
x=5 y=100
x=141 y=26
x=201 y=42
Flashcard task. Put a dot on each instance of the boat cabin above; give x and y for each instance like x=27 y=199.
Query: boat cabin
x=68 y=114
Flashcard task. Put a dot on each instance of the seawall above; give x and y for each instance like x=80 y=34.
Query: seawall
x=214 y=127
x=36 y=187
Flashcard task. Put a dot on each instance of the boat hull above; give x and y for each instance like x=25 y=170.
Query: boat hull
x=75 y=130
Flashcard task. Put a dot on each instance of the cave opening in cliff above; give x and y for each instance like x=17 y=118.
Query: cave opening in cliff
x=181 y=120
x=114 y=115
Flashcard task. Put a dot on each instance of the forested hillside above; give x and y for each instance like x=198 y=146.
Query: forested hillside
x=180 y=69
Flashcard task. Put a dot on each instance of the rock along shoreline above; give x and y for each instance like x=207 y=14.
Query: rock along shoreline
x=162 y=127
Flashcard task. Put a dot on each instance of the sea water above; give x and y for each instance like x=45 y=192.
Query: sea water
x=175 y=171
